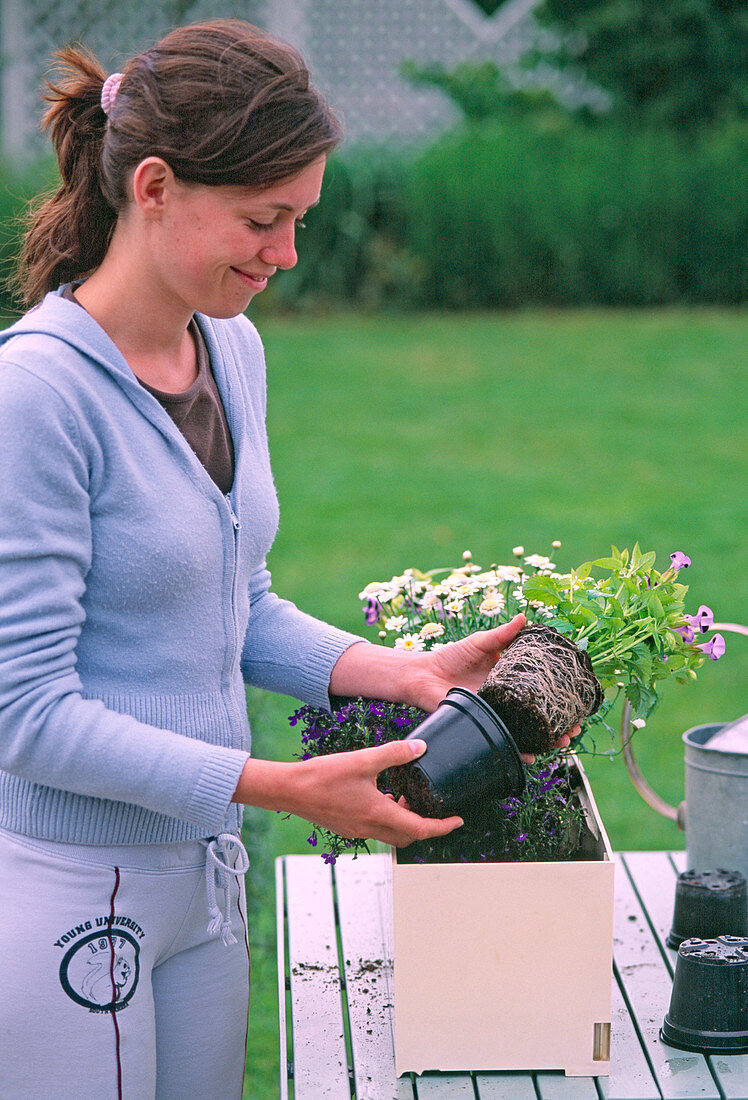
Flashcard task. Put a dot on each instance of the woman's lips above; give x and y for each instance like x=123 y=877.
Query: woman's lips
x=256 y=282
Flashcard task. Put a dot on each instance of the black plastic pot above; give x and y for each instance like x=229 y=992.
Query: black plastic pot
x=709 y=904
x=709 y=1003
x=471 y=756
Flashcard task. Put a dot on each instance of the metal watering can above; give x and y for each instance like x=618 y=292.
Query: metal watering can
x=714 y=814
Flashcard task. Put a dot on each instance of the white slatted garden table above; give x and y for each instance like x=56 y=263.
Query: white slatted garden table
x=336 y=1013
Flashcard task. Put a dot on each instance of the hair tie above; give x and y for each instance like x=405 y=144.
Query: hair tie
x=109 y=92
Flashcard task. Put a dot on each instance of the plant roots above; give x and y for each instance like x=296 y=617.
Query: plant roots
x=541 y=687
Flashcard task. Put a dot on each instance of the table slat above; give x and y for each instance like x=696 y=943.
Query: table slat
x=680 y=861
x=445 y=1086
x=360 y=885
x=505 y=1086
x=646 y=980
x=654 y=877
x=281 y=918
x=554 y=1086
x=630 y=1076
x=320 y=1061
x=732 y=1074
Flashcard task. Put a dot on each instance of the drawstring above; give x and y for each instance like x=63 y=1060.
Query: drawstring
x=216 y=847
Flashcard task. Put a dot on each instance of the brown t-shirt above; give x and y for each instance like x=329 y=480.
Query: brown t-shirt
x=198 y=413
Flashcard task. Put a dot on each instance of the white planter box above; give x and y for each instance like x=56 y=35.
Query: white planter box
x=505 y=966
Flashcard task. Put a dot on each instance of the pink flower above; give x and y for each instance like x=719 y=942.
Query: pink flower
x=702 y=621
x=714 y=648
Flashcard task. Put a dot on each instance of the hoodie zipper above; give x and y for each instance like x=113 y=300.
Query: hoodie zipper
x=236 y=526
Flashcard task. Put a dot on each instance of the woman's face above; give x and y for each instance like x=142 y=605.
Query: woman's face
x=216 y=247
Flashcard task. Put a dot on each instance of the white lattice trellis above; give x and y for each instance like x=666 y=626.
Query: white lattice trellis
x=354 y=47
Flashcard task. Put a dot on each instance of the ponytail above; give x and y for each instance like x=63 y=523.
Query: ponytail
x=69 y=233
x=221 y=102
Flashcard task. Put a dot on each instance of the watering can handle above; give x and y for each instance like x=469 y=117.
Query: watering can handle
x=650 y=796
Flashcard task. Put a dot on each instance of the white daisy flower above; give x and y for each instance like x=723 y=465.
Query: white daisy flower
x=538 y=561
x=638 y=723
x=410 y=642
x=372 y=589
x=430 y=599
x=518 y=551
x=467 y=589
x=431 y=630
x=395 y=622
x=508 y=572
x=492 y=605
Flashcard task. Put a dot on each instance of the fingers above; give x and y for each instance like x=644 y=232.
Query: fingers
x=500 y=636
x=390 y=755
x=423 y=828
x=562 y=742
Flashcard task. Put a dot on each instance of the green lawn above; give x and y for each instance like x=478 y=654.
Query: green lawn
x=402 y=441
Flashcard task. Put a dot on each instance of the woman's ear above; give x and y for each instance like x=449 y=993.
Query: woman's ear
x=152 y=182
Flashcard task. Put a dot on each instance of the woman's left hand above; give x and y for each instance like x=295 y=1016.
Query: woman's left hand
x=466 y=663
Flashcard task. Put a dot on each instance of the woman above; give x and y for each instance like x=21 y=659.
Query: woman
x=137 y=510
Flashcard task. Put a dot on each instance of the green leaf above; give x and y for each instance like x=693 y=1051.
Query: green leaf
x=583 y=615
x=606 y=563
x=543 y=588
x=655 y=606
x=646 y=561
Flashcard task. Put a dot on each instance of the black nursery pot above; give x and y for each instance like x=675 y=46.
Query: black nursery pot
x=470 y=756
x=709 y=1003
x=709 y=904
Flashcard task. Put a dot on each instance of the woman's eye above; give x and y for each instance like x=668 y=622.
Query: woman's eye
x=260 y=226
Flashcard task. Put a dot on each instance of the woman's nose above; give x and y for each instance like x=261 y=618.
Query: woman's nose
x=281 y=250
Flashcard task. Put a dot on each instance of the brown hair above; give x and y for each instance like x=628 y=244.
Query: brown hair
x=221 y=102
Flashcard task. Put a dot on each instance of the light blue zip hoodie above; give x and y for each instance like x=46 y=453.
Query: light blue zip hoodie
x=134 y=597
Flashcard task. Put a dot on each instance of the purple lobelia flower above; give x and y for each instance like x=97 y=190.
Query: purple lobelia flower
x=714 y=648
x=372 y=610
x=680 y=560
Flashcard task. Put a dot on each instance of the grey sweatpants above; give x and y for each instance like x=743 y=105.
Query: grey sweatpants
x=111 y=985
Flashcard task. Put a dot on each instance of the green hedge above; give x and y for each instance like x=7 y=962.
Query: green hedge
x=515 y=216
x=17 y=189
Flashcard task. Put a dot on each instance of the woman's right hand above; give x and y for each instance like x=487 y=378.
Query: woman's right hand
x=339 y=792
